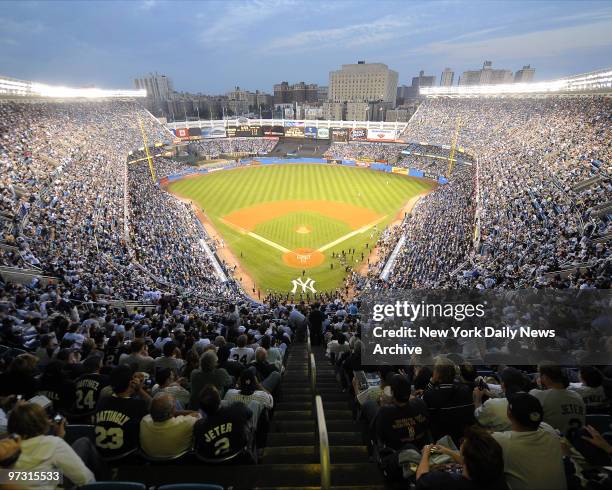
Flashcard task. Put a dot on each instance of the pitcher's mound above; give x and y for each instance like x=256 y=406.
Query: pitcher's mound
x=303 y=258
x=303 y=230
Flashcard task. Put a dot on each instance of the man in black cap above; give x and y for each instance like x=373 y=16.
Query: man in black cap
x=403 y=422
x=532 y=453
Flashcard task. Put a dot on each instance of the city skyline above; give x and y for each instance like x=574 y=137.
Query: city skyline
x=256 y=44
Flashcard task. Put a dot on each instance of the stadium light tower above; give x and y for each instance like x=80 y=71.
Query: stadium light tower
x=146 y=146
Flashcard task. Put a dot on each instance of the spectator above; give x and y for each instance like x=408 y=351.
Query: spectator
x=166 y=433
x=88 y=388
x=532 y=455
x=44 y=453
x=492 y=413
x=117 y=417
x=139 y=358
x=208 y=373
x=167 y=383
x=250 y=390
x=591 y=389
x=563 y=408
x=241 y=353
x=268 y=373
x=405 y=421
x=226 y=430
x=481 y=460
x=450 y=404
x=170 y=358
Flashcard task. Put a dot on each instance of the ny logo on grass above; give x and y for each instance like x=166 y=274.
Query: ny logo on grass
x=306 y=285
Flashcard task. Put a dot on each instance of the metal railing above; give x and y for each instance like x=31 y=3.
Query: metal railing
x=323 y=445
x=313 y=374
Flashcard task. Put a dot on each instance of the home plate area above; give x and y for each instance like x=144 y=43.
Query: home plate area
x=303 y=258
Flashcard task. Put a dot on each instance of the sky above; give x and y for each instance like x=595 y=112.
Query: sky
x=212 y=46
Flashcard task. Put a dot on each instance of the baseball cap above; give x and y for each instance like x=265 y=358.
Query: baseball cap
x=526 y=409
x=400 y=388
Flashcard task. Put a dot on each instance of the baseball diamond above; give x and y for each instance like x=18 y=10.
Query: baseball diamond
x=287 y=221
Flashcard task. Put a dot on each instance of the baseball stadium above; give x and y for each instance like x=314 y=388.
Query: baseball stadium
x=190 y=304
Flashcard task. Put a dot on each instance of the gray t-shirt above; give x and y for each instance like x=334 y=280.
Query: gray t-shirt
x=532 y=460
x=561 y=407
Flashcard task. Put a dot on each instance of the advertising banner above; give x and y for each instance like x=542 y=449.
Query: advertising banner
x=195 y=131
x=358 y=134
x=398 y=170
x=216 y=132
x=323 y=133
x=310 y=132
x=339 y=134
x=182 y=133
x=272 y=130
x=381 y=135
x=290 y=124
x=294 y=132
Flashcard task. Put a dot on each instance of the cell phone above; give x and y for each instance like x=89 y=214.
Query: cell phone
x=148 y=382
x=58 y=419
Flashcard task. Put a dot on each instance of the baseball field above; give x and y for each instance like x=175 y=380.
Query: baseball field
x=295 y=228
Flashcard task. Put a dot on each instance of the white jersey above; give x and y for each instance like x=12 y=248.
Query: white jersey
x=243 y=355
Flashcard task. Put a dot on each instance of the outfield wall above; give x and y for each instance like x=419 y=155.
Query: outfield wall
x=253 y=162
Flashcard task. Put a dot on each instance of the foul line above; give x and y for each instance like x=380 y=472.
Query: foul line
x=256 y=236
x=350 y=235
x=275 y=245
x=268 y=242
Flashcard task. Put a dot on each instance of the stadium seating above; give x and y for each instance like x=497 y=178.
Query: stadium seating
x=97 y=258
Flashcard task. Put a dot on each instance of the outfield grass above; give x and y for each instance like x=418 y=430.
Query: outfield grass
x=221 y=193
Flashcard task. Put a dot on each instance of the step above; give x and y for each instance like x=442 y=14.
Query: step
x=291 y=405
x=345 y=438
x=299 y=397
x=288 y=390
x=335 y=405
x=294 y=415
x=342 y=425
x=356 y=473
x=338 y=414
x=236 y=476
x=296 y=379
x=337 y=396
x=310 y=454
x=291 y=439
x=293 y=425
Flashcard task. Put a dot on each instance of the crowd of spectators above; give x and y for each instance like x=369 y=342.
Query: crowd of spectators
x=215 y=147
x=164 y=377
x=359 y=150
x=532 y=154
x=444 y=421
x=156 y=379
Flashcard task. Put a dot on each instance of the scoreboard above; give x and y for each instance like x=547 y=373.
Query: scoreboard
x=244 y=131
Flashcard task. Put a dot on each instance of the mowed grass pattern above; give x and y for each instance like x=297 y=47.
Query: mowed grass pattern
x=283 y=230
x=223 y=192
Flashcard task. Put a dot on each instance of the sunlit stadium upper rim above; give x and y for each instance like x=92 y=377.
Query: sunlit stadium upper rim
x=599 y=81
x=23 y=88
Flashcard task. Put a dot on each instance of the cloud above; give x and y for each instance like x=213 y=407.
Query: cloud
x=27 y=27
x=238 y=17
x=147 y=4
x=526 y=46
x=367 y=33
